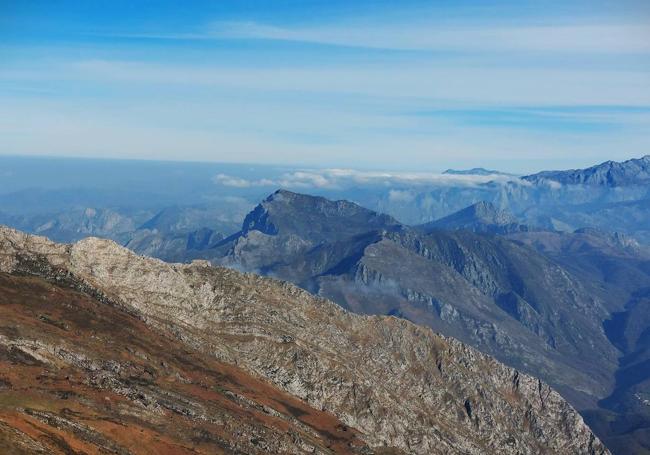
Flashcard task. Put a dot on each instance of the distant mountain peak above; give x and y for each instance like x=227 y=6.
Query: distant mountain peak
x=488 y=212
x=634 y=171
x=617 y=239
x=285 y=212
x=482 y=217
x=283 y=193
x=476 y=171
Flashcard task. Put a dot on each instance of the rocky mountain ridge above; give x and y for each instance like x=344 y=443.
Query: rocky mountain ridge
x=396 y=384
x=610 y=173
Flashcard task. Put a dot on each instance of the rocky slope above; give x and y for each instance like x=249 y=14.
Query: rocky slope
x=80 y=376
x=393 y=385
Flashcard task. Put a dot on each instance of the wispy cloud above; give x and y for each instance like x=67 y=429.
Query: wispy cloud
x=374 y=84
x=455 y=83
x=601 y=38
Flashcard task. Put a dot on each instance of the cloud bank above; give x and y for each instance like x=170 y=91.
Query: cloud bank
x=344 y=178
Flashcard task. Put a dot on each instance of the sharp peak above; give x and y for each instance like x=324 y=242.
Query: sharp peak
x=286 y=193
x=292 y=195
x=482 y=206
x=482 y=210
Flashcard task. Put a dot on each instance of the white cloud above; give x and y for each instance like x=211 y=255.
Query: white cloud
x=339 y=111
x=298 y=179
x=228 y=180
x=400 y=196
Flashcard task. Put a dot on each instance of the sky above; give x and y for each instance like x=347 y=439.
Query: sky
x=393 y=85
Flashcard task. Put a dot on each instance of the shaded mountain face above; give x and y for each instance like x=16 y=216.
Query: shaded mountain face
x=609 y=173
x=223 y=362
x=482 y=217
x=622 y=268
x=316 y=219
x=287 y=225
x=539 y=308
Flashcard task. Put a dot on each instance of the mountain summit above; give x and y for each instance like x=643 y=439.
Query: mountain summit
x=317 y=219
x=483 y=217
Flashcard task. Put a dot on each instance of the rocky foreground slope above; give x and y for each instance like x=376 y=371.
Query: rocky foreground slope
x=104 y=351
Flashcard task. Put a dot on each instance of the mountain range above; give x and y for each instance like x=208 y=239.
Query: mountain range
x=550 y=200
x=541 y=301
x=611 y=196
x=609 y=173
x=548 y=273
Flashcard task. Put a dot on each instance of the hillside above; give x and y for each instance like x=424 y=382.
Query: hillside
x=278 y=354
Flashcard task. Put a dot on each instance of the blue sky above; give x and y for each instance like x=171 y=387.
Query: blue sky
x=408 y=85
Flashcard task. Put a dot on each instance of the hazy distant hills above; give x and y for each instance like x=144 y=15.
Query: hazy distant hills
x=550 y=200
x=74 y=224
x=167 y=233
x=172 y=246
